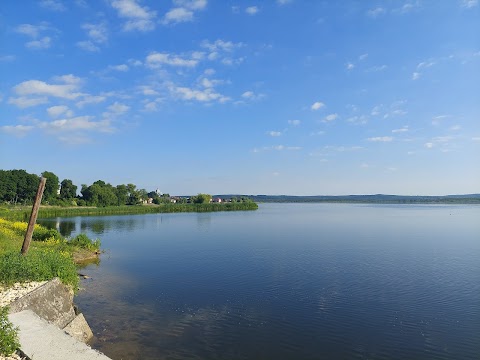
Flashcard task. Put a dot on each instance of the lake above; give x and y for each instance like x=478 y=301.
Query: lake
x=289 y=281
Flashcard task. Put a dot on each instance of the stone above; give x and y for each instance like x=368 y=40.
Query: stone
x=79 y=329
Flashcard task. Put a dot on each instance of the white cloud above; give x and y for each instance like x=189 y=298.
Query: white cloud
x=118 y=108
x=39 y=88
x=88 y=46
x=184 y=11
x=56 y=111
x=476 y=138
x=34 y=32
x=98 y=33
x=330 y=118
x=252 y=10
x=317 y=105
x=17 y=130
x=363 y=57
x=381 y=139
x=468 y=3
x=376 y=12
x=274 y=133
x=332 y=148
x=284 y=2
x=294 y=122
x=204 y=95
x=349 y=66
x=148 y=90
x=24 y=102
x=54 y=5
x=121 y=68
x=401 y=130
x=377 y=68
x=178 y=15
x=90 y=99
x=277 y=148
x=138 y=17
x=155 y=60
x=30 y=30
x=43 y=43
x=220 y=45
x=250 y=95
x=429 y=145
x=358 y=120
x=79 y=123
x=191 y=4
x=425 y=64
x=376 y=110
x=407 y=7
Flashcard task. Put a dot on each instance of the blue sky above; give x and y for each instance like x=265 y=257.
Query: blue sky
x=254 y=97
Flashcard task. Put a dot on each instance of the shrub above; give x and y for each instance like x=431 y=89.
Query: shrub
x=84 y=242
x=37 y=265
x=8 y=334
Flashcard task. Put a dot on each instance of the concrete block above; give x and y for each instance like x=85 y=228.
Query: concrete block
x=79 y=329
x=51 y=301
x=41 y=340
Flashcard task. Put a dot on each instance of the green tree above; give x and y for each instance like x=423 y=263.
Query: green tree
x=122 y=194
x=51 y=186
x=99 y=194
x=67 y=190
x=202 y=198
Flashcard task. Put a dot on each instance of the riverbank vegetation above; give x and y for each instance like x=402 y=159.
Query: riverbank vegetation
x=8 y=334
x=23 y=212
x=50 y=254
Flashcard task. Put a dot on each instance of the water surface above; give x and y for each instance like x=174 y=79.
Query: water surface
x=289 y=281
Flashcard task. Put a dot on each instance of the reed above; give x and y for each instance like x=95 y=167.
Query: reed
x=51 y=211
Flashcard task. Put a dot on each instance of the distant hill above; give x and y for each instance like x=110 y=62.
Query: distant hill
x=377 y=198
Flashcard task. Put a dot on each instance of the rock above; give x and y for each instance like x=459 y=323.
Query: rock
x=79 y=329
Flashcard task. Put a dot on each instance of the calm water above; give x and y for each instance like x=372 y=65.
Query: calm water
x=289 y=281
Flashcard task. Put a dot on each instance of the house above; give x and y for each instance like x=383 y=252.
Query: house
x=217 y=200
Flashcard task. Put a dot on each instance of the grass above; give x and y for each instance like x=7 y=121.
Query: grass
x=50 y=255
x=23 y=212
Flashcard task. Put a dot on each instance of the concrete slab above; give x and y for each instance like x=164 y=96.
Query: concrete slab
x=51 y=301
x=41 y=340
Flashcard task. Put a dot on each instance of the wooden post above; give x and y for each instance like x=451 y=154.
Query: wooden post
x=33 y=216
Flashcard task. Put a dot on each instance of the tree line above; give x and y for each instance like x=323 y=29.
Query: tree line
x=18 y=187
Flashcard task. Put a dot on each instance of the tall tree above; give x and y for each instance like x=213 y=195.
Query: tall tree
x=51 y=186
x=67 y=189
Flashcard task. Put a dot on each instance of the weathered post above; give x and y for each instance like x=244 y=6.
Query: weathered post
x=33 y=216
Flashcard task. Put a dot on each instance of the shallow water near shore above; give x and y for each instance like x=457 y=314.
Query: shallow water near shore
x=289 y=281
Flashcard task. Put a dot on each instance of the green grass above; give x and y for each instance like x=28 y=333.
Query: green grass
x=38 y=265
x=8 y=334
x=48 y=257
x=23 y=212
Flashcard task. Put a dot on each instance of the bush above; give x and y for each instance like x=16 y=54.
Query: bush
x=84 y=242
x=8 y=334
x=37 y=265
